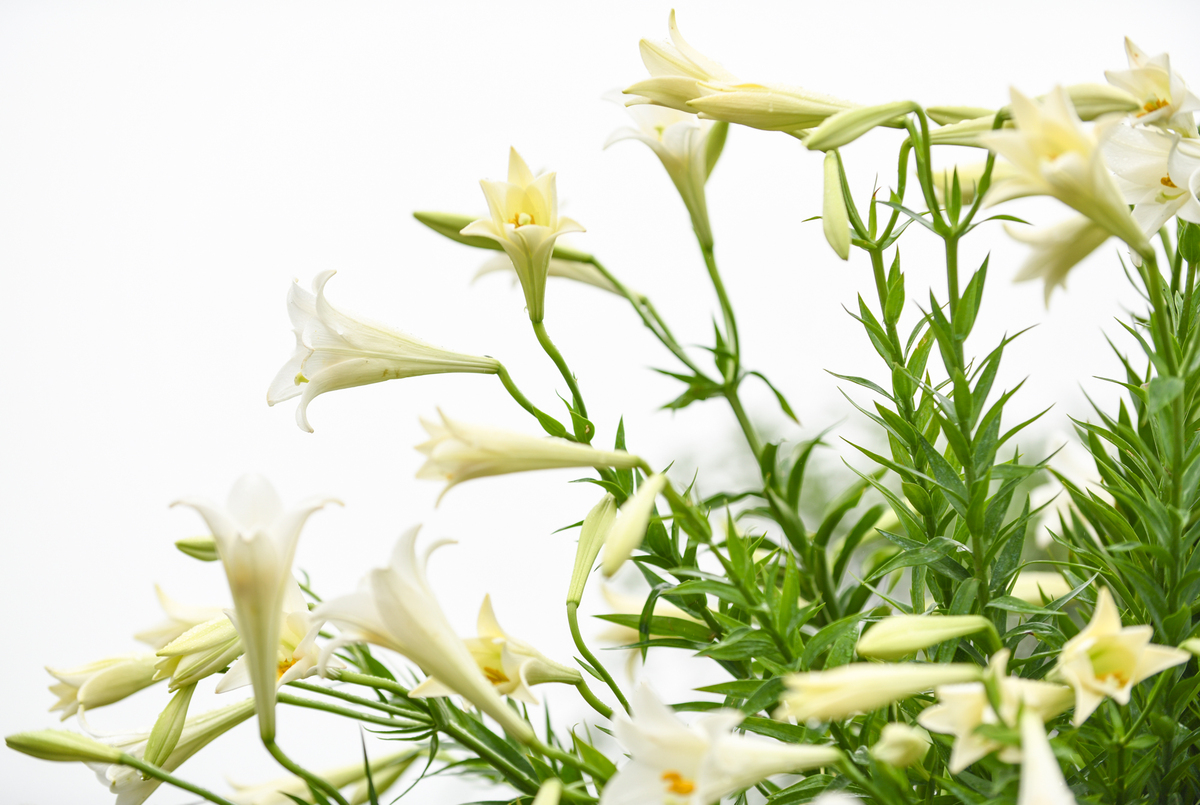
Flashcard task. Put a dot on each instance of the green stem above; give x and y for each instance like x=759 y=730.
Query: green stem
x=518 y=777
x=345 y=712
x=589 y=697
x=377 y=682
x=359 y=700
x=544 y=339
x=521 y=399
x=573 y=620
x=150 y=770
x=569 y=759
x=731 y=333
x=300 y=771
x=752 y=438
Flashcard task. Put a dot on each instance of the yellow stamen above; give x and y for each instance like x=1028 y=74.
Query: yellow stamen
x=300 y=378
x=494 y=676
x=283 y=666
x=677 y=783
x=521 y=219
x=1166 y=182
x=1153 y=106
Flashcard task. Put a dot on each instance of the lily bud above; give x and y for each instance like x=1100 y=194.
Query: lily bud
x=834 y=220
x=591 y=538
x=846 y=127
x=549 y=793
x=948 y=115
x=901 y=635
x=1093 y=100
x=862 y=687
x=901 y=745
x=202 y=548
x=168 y=727
x=630 y=527
x=61 y=745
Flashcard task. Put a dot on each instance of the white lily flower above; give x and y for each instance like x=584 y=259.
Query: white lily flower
x=384 y=773
x=180 y=618
x=1165 y=98
x=335 y=350
x=676 y=764
x=458 y=452
x=511 y=665
x=901 y=745
x=256 y=540
x=394 y=607
x=1056 y=249
x=681 y=143
x=629 y=528
x=1054 y=156
x=298 y=654
x=524 y=220
x=1154 y=172
x=861 y=687
x=1039 y=587
x=962 y=708
x=586 y=273
x=676 y=72
x=199 y=731
x=900 y=635
x=1042 y=781
x=1106 y=659
x=201 y=651
x=99 y=683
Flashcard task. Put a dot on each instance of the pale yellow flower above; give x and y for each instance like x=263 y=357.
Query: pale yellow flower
x=900 y=635
x=901 y=745
x=180 y=618
x=1042 y=781
x=1164 y=97
x=99 y=683
x=629 y=528
x=676 y=71
x=864 y=686
x=1056 y=249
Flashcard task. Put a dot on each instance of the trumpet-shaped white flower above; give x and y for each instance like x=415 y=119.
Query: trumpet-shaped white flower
x=681 y=142
x=674 y=764
x=1040 y=587
x=1042 y=781
x=511 y=665
x=1105 y=659
x=629 y=528
x=901 y=745
x=256 y=539
x=586 y=273
x=199 y=652
x=1165 y=98
x=394 y=607
x=1054 y=156
x=384 y=773
x=963 y=708
x=864 y=686
x=335 y=350
x=180 y=618
x=1056 y=250
x=198 y=732
x=524 y=220
x=676 y=72
x=99 y=683
x=298 y=654
x=901 y=635
x=458 y=452
x=1154 y=172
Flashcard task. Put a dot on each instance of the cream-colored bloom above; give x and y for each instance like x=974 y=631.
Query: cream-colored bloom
x=524 y=220
x=335 y=350
x=1042 y=781
x=394 y=607
x=458 y=452
x=835 y=222
x=1039 y=587
x=674 y=764
x=1154 y=172
x=99 y=683
x=848 y=125
x=180 y=618
x=198 y=732
x=864 y=686
x=61 y=746
x=770 y=107
x=511 y=665
x=384 y=773
x=1106 y=659
x=201 y=651
x=676 y=71
x=567 y=269
x=901 y=745
x=629 y=528
x=900 y=635
x=298 y=654
x=1054 y=156
x=963 y=708
x=256 y=539
x=592 y=535
x=681 y=142
x=1056 y=249
x=1164 y=97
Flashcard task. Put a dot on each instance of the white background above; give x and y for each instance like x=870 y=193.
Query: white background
x=166 y=169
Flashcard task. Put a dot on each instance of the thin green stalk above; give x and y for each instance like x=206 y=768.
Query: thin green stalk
x=544 y=339
x=369 y=681
x=569 y=759
x=305 y=774
x=752 y=437
x=731 y=332
x=521 y=399
x=589 y=697
x=573 y=620
x=515 y=775
x=345 y=712
x=350 y=697
x=150 y=770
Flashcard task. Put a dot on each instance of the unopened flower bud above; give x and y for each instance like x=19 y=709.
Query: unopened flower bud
x=901 y=745
x=901 y=635
x=61 y=745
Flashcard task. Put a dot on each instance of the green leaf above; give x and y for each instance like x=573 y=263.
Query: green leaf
x=1008 y=603
x=1163 y=391
x=783 y=403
